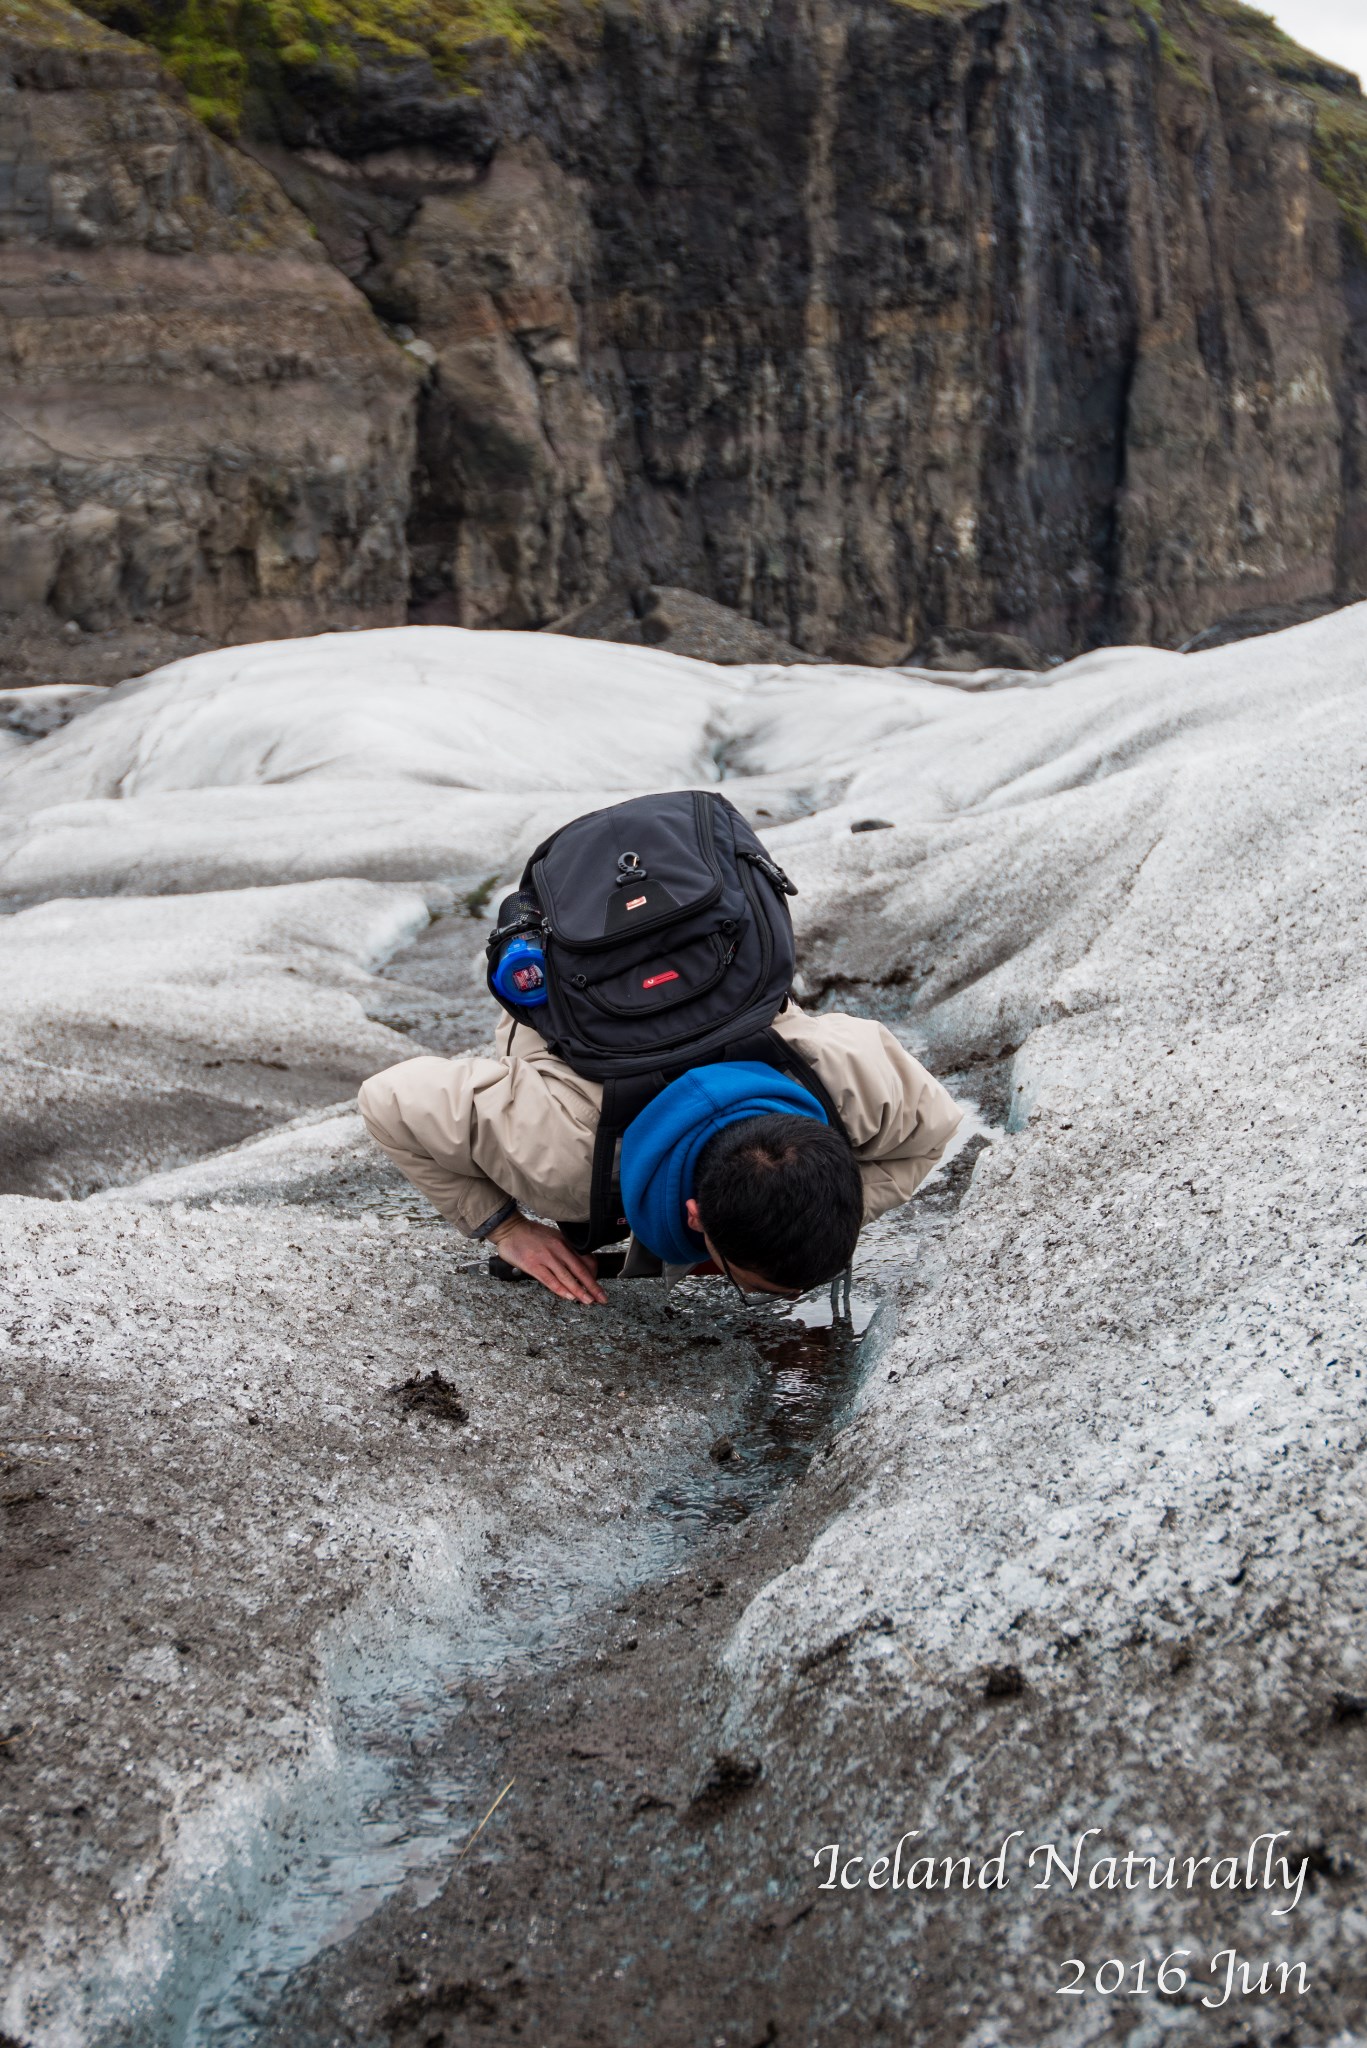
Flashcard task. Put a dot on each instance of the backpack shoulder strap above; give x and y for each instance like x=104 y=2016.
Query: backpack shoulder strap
x=771 y=1049
x=623 y=1100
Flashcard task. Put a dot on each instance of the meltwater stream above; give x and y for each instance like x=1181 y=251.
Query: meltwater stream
x=372 y=1813
x=377 y=1806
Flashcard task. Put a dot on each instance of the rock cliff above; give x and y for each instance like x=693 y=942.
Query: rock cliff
x=872 y=319
x=204 y=432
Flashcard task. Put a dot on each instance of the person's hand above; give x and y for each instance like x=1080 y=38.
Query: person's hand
x=541 y=1251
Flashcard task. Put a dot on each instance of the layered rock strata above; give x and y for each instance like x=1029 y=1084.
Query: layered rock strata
x=205 y=435
x=873 y=321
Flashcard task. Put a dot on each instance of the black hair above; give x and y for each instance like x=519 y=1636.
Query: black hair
x=781 y=1197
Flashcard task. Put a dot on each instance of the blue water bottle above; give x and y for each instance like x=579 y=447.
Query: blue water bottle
x=519 y=974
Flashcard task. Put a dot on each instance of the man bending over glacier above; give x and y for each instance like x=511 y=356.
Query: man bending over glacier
x=653 y=1075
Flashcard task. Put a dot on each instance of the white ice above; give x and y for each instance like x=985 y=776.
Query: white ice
x=1125 y=1408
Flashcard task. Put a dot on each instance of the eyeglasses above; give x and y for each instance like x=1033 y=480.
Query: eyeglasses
x=782 y=1293
x=731 y=1276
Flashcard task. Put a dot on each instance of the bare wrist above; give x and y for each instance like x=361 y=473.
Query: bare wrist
x=501 y=1230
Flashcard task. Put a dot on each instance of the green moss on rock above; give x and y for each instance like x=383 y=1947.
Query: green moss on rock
x=942 y=6
x=1258 y=36
x=1172 y=49
x=225 y=50
x=1340 y=150
x=1340 y=112
x=53 y=25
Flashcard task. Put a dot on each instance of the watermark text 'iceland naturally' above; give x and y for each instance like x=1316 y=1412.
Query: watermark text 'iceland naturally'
x=1046 y=1866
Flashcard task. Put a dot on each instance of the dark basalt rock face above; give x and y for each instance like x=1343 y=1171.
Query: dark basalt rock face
x=876 y=321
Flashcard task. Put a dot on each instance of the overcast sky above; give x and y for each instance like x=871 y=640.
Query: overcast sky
x=1332 y=28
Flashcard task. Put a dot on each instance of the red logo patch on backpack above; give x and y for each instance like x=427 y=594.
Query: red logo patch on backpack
x=654 y=980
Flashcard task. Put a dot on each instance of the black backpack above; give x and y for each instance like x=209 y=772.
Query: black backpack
x=668 y=945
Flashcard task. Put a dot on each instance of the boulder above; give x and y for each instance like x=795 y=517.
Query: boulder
x=869 y=650
x=960 y=652
x=680 y=622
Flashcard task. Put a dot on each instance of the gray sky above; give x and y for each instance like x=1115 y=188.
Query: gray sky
x=1332 y=28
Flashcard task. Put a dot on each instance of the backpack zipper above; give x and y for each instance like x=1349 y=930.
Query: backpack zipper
x=769 y=867
x=610 y=1009
x=760 y=914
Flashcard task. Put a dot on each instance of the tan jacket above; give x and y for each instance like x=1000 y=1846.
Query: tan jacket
x=473 y=1132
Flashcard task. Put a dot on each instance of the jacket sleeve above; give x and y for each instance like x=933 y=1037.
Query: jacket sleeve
x=479 y=1134
x=899 y=1117
x=423 y=1113
x=912 y=1118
